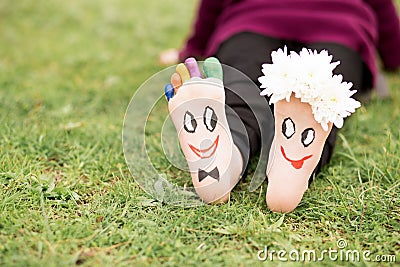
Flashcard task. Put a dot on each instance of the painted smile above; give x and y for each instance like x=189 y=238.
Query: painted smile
x=207 y=152
x=297 y=164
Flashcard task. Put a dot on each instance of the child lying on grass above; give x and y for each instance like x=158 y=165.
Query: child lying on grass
x=311 y=95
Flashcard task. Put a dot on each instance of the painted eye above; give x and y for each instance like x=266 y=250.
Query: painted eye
x=307 y=136
x=210 y=119
x=189 y=123
x=288 y=128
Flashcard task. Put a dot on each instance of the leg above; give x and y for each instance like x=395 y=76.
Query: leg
x=197 y=109
x=353 y=70
x=305 y=109
x=246 y=52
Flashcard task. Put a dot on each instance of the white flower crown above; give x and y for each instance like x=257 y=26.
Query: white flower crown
x=309 y=75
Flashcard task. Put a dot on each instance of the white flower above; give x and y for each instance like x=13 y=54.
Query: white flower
x=335 y=102
x=277 y=79
x=316 y=65
x=309 y=76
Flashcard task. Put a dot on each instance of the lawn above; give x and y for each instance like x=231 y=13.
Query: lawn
x=68 y=70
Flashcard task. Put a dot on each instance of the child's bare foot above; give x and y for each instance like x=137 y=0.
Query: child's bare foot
x=295 y=152
x=197 y=109
x=308 y=100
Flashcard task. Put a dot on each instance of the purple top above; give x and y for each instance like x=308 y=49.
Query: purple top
x=366 y=26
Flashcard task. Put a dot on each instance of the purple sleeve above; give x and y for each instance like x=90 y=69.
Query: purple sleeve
x=389 y=32
x=206 y=18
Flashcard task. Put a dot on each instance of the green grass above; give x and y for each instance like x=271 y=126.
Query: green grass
x=67 y=72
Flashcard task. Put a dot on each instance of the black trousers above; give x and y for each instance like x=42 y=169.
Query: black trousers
x=246 y=52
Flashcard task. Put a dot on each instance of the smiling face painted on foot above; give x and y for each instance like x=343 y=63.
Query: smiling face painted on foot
x=306 y=137
x=210 y=122
x=298 y=143
x=202 y=130
x=205 y=143
x=308 y=99
x=301 y=138
x=196 y=103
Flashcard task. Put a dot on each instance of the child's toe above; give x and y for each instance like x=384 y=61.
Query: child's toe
x=212 y=68
x=193 y=68
x=183 y=72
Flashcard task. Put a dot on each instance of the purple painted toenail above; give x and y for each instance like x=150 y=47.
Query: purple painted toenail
x=193 y=68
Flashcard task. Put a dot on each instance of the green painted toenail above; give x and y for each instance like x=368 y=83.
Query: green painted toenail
x=212 y=68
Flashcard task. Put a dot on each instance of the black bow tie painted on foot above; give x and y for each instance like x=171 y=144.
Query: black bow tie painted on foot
x=202 y=174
